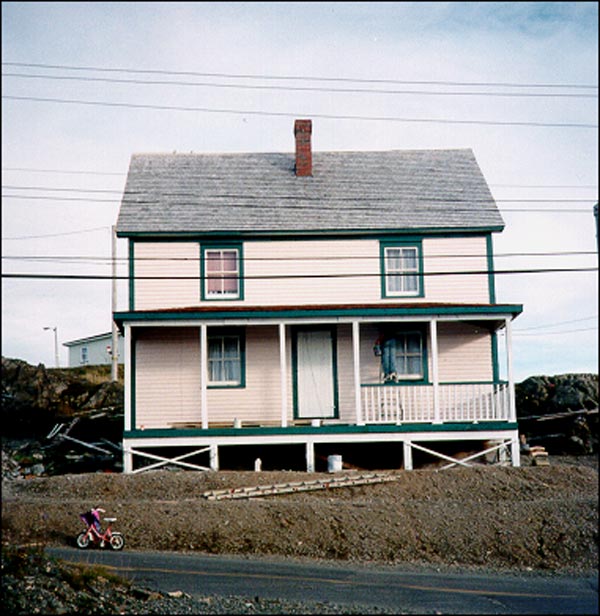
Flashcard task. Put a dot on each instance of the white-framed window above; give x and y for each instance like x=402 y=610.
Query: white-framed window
x=222 y=273
x=225 y=360
x=401 y=269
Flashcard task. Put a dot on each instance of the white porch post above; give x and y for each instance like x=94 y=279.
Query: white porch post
x=283 y=375
x=356 y=359
x=512 y=410
x=434 y=371
x=203 y=375
x=128 y=381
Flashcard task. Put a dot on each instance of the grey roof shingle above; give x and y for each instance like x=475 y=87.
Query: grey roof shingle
x=348 y=191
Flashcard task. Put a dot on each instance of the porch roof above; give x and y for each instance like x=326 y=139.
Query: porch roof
x=332 y=312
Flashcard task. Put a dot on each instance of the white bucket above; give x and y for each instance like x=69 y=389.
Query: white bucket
x=315 y=423
x=334 y=463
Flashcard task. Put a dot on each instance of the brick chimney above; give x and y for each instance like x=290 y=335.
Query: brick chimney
x=302 y=132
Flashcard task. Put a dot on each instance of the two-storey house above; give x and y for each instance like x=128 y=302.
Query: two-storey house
x=312 y=300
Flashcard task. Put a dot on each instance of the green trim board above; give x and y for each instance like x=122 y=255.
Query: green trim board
x=490 y=268
x=495 y=360
x=322 y=430
x=292 y=234
x=131 y=253
x=298 y=313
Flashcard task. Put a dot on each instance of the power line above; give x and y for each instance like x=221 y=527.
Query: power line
x=301 y=207
x=298 y=276
x=295 y=77
x=426 y=257
x=298 y=88
x=570 y=331
x=32 y=237
x=556 y=324
x=133 y=193
x=89 y=172
x=297 y=114
x=33 y=169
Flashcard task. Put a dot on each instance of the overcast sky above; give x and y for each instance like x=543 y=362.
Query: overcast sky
x=514 y=81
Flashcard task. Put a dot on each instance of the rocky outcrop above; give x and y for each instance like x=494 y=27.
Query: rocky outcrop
x=559 y=412
x=83 y=402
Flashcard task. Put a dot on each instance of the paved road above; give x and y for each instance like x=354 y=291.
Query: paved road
x=396 y=587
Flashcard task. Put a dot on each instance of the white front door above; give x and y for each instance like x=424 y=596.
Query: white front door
x=315 y=374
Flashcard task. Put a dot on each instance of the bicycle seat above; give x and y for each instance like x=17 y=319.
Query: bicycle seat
x=110 y=519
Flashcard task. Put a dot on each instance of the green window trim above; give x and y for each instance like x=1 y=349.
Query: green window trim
x=220 y=333
x=401 y=244
x=238 y=273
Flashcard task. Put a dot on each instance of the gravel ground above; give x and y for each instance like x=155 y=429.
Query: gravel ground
x=536 y=518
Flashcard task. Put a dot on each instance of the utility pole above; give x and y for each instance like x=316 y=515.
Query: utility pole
x=596 y=215
x=55 y=330
x=114 y=373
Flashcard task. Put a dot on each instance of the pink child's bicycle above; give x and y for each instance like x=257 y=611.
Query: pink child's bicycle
x=94 y=535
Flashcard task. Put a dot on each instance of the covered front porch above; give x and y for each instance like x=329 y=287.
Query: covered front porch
x=361 y=406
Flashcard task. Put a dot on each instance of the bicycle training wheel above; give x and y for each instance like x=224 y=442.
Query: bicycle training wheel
x=83 y=540
x=117 y=541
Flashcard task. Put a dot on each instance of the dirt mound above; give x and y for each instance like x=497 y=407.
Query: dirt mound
x=501 y=517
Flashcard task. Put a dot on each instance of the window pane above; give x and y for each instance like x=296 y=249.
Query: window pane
x=230 y=285
x=214 y=371
x=409 y=261
x=394 y=284
x=230 y=260
x=413 y=343
x=413 y=365
x=394 y=259
x=231 y=369
x=411 y=283
x=213 y=261
x=213 y=285
x=230 y=346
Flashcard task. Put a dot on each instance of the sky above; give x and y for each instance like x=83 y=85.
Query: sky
x=87 y=84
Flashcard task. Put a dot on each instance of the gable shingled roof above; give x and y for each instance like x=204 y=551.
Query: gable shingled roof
x=259 y=193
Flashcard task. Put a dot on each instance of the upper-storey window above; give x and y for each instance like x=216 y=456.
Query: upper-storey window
x=222 y=272
x=402 y=270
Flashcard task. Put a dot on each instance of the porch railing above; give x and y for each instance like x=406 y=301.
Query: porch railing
x=457 y=402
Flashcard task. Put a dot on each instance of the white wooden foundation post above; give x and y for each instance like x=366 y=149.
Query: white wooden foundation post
x=214 y=457
x=434 y=372
x=283 y=375
x=127 y=457
x=408 y=463
x=310 y=457
x=203 y=376
x=356 y=360
x=515 y=451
